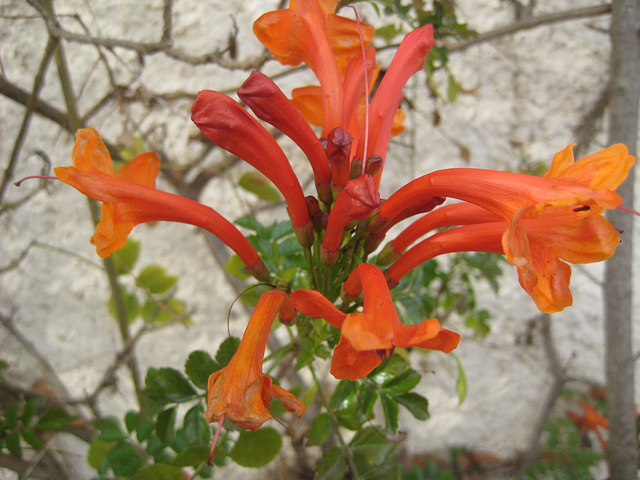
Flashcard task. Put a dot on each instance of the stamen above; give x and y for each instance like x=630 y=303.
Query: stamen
x=215 y=440
x=43 y=177
x=366 y=84
x=628 y=210
x=584 y=208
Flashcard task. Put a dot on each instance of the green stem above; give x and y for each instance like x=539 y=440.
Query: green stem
x=336 y=427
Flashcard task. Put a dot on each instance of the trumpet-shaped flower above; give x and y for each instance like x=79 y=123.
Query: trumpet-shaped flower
x=240 y=391
x=223 y=121
x=370 y=336
x=538 y=247
x=310 y=32
x=129 y=197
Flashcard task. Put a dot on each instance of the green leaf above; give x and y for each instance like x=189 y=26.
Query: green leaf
x=253 y=224
x=415 y=403
x=452 y=88
x=32 y=438
x=13 y=444
x=371 y=446
x=125 y=258
x=159 y=472
x=167 y=385
x=259 y=185
x=227 y=350
x=199 y=367
x=173 y=309
x=11 y=415
x=124 y=460
x=236 y=267
x=196 y=430
x=155 y=279
x=131 y=306
x=332 y=465
x=98 y=451
x=256 y=449
x=110 y=429
x=402 y=383
x=192 y=456
x=165 y=425
x=131 y=420
x=54 y=419
x=320 y=430
x=390 y=410
x=29 y=410
x=461 y=382
x=343 y=395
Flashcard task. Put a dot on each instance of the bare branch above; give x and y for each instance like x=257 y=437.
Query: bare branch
x=528 y=23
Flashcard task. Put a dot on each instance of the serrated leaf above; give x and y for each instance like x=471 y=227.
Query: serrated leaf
x=320 y=430
x=227 y=350
x=131 y=306
x=32 y=438
x=281 y=229
x=390 y=410
x=259 y=185
x=126 y=258
x=192 y=456
x=461 y=382
x=98 y=451
x=165 y=425
x=166 y=385
x=402 y=383
x=159 y=471
x=371 y=445
x=199 y=367
x=256 y=449
x=172 y=309
x=253 y=224
x=332 y=465
x=54 y=419
x=415 y=403
x=196 y=430
x=110 y=429
x=156 y=279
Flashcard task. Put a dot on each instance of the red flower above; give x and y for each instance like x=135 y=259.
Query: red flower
x=223 y=121
x=240 y=391
x=371 y=335
x=129 y=198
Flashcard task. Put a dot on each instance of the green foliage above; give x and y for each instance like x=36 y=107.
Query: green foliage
x=152 y=298
x=260 y=186
x=436 y=290
x=256 y=449
x=564 y=453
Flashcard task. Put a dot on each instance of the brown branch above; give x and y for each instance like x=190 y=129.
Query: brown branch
x=38 y=83
x=560 y=378
x=531 y=22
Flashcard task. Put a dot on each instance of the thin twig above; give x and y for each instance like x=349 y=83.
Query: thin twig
x=38 y=83
x=529 y=23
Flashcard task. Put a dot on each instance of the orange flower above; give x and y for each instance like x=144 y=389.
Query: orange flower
x=240 y=391
x=368 y=337
x=537 y=247
x=590 y=419
x=310 y=32
x=129 y=198
x=223 y=121
x=566 y=205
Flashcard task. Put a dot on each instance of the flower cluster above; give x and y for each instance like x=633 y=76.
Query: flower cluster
x=538 y=223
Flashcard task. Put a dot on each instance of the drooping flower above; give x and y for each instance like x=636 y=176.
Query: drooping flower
x=129 y=198
x=240 y=391
x=370 y=336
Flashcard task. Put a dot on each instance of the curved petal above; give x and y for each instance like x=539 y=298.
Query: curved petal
x=313 y=304
x=352 y=364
